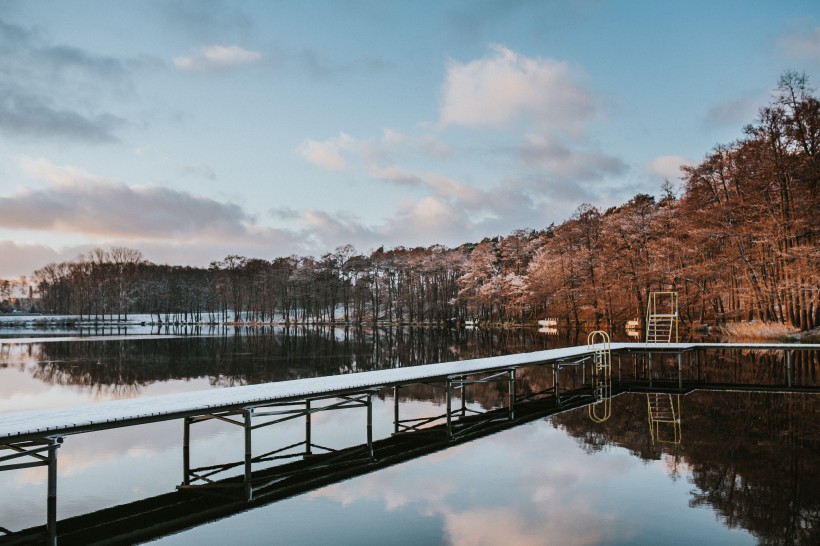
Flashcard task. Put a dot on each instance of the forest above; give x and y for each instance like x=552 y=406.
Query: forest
x=738 y=241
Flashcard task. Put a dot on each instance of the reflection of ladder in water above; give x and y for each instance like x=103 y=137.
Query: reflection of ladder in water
x=664 y=418
x=662 y=317
x=601 y=409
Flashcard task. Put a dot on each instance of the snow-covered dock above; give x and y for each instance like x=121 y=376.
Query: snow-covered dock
x=27 y=425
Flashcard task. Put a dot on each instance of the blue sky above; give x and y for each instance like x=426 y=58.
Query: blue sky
x=196 y=129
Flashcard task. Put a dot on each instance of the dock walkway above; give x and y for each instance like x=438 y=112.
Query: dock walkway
x=26 y=425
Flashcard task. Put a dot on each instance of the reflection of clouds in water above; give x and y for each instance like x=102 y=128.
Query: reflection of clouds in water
x=573 y=524
x=529 y=485
x=397 y=490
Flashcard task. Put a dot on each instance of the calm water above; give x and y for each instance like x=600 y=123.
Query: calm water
x=743 y=468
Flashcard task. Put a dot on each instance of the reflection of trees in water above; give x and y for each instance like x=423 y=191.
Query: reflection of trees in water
x=754 y=457
x=56 y=373
x=259 y=356
x=762 y=472
x=725 y=367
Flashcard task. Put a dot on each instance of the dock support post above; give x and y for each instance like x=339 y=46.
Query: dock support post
x=680 y=371
x=247 y=413
x=788 y=368
x=308 y=439
x=463 y=397
x=51 y=499
x=449 y=409
x=186 y=451
x=370 y=424
x=555 y=373
x=396 y=409
x=511 y=401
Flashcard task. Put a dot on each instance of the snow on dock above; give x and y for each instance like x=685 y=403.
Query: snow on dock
x=118 y=413
x=24 y=425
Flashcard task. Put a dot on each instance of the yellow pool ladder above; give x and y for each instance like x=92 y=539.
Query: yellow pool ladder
x=601 y=409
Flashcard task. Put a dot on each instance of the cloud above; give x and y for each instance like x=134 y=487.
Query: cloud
x=29 y=115
x=733 y=113
x=206 y=20
x=803 y=44
x=449 y=214
x=217 y=57
x=667 y=167
x=198 y=171
x=564 y=163
x=30 y=53
x=78 y=202
x=506 y=87
x=543 y=96
x=374 y=155
x=317 y=66
x=324 y=230
x=54 y=91
x=546 y=176
x=24 y=258
x=327 y=154
x=394 y=174
x=415 y=222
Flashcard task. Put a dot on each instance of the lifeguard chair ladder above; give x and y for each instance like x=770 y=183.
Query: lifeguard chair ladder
x=664 y=418
x=601 y=409
x=662 y=317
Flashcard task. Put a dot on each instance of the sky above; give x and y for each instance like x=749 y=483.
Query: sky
x=194 y=130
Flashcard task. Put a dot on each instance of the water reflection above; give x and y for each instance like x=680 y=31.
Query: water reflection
x=750 y=457
x=565 y=480
x=754 y=457
x=664 y=415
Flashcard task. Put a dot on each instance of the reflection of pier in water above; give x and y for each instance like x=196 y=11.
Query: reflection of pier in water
x=667 y=370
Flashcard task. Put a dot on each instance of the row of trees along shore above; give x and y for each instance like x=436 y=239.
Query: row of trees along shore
x=739 y=243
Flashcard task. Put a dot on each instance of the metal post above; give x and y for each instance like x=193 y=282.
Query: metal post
x=449 y=408
x=512 y=394
x=396 y=409
x=463 y=397
x=186 y=451
x=248 y=454
x=680 y=371
x=649 y=371
x=51 y=499
x=370 y=424
x=555 y=373
x=788 y=367
x=308 y=439
x=619 y=367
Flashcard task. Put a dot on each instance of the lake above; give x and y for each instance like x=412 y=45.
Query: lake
x=741 y=468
